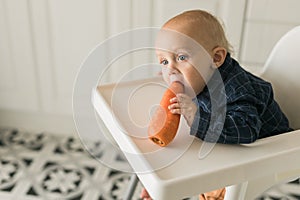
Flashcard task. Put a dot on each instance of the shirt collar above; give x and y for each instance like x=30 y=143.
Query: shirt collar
x=226 y=67
x=221 y=73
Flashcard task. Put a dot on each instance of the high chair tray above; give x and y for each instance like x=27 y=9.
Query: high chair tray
x=181 y=169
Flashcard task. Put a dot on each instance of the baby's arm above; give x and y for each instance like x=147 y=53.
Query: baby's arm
x=241 y=122
x=183 y=104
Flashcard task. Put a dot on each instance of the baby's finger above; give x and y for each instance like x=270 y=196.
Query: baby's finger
x=183 y=105
x=173 y=100
x=182 y=97
x=176 y=111
x=174 y=106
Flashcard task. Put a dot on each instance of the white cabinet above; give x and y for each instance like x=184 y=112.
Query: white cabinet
x=44 y=42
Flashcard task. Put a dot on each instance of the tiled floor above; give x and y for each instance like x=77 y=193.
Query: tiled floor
x=35 y=166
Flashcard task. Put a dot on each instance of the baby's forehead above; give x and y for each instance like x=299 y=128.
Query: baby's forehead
x=196 y=30
x=174 y=41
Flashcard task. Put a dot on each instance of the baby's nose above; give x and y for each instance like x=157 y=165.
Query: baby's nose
x=172 y=70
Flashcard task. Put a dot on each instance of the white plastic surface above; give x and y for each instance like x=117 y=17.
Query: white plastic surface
x=282 y=69
x=175 y=171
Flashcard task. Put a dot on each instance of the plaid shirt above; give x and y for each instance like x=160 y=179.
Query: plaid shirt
x=243 y=112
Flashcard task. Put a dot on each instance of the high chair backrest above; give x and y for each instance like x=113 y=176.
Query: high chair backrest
x=282 y=69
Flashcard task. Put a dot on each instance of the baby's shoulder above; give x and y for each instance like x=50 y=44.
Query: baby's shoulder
x=245 y=83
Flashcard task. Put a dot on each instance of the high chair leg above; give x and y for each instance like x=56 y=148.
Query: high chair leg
x=131 y=187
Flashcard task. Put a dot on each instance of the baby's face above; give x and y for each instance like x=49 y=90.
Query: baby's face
x=183 y=59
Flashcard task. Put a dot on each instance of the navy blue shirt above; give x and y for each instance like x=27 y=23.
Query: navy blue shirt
x=237 y=107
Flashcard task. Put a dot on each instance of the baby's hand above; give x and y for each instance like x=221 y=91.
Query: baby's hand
x=183 y=104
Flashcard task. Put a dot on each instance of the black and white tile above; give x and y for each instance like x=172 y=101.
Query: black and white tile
x=35 y=166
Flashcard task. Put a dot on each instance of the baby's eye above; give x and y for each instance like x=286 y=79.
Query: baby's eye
x=164 y=62
x=182 y=57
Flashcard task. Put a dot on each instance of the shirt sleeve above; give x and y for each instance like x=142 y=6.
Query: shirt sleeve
x=240 y=122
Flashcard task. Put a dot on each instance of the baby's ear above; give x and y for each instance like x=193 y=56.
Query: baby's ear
x=219 y=55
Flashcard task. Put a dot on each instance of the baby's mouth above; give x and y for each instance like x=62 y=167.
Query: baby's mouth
x=176 y=78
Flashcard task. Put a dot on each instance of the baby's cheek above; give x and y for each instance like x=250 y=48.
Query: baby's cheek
x=196 y=85
x=166 y=77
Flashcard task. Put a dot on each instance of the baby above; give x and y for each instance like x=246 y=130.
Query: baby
x=250 y=110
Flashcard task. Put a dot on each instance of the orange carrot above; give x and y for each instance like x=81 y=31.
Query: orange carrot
x=164 y=124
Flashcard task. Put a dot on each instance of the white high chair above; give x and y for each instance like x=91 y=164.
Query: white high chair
x=282 y=69
x=245 y=170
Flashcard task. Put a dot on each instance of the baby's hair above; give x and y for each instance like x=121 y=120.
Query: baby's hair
x=213 y=26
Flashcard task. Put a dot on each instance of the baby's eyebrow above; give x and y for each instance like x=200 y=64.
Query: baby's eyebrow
x=183 y=50
x=159 y=53
x=162 y=52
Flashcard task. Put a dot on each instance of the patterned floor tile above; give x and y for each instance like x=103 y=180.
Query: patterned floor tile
x=36 y=166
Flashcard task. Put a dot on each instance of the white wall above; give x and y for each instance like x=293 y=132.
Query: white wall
x=44 y=42
x=264 y=23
